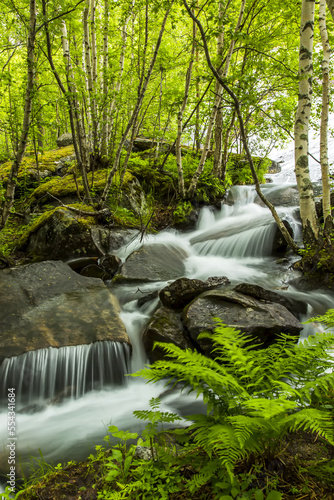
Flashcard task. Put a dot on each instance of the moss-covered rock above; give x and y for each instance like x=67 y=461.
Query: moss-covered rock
x=30 y=173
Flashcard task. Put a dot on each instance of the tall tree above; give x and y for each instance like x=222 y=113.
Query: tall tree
x=19 y=153
x=302 y=121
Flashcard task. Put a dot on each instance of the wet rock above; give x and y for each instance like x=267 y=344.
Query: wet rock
x=64 y=235
x=165 y=326
x=147 y=297
x=283 y=196
x=184 y=290
x=157 y=262
x=262 y=321
x=110 y=264
x=93 y=271
x=47 y=304
x=279 y=244
x=274 y=168
x=64 y=140
x=296 y=307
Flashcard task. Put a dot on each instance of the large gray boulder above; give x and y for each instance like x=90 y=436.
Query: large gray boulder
x=47 y=304
x=263 y=321
x=65 y=235
x=156 y=262
x=183 y=290
x=164 y=326
x=64 y=140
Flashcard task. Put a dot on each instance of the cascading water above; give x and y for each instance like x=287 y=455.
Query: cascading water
x=235 y=241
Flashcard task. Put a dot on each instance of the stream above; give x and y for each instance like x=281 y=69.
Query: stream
x=236 y=242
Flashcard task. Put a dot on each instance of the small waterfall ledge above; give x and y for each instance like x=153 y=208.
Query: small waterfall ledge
x=66 y=372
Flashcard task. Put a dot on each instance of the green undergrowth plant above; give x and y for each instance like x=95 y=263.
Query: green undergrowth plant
x=253 y=398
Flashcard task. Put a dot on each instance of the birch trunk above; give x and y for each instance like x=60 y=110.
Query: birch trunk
x=180 y=119
x=136 y=110
x=216 y=107
x=307 y=205
x=31 y=76
x=83 y=160
x=326 y=201
x=105 y=86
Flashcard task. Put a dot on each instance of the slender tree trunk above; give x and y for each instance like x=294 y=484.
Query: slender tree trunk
x=31 y=75
x=136 y=110
x=236 y=103
x=216 y=105
x=105 y=85
x=180 y=119
x=326 y=197
x=84 y=162
x=307 y=205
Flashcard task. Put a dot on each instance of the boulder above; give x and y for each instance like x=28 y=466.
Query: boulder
x=262 y=321
x=164 y=326
x=64 y=140
x=47 y=304
x=296 y=307
x=279 y=244
x=283 y=196
x=184 y=290
x=156 y=262
x=274 y=168
x=65 y=235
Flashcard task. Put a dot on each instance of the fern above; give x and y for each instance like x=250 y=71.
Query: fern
x=253 y=397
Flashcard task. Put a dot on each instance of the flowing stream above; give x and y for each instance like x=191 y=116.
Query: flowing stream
x=235 y=241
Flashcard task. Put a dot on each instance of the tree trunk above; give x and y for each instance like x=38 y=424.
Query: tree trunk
x=31 y=75
x=105 y=85
x=180 y=119
x=307 y=205
x=84 y=161
x=326 y=201
x=216 y=107
x=236 y=103
x=136 y=110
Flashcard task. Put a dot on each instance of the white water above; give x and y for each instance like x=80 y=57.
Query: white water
x=235 y=242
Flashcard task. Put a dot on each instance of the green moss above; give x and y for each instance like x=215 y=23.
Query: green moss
x=46 y=161
x=65 y=186
x=43 y=218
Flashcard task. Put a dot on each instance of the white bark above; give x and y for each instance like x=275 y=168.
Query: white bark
x=105 y=86
x=31 y=76
x=307 y=205
x=326 y=202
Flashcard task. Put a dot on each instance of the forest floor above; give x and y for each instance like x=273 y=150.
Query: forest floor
x=303 y=469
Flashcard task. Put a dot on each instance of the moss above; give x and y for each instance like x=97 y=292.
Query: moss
x=43 y=218
x=65 y=186
x=46 y=161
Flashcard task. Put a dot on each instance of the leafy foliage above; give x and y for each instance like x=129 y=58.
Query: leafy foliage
x=252 y=401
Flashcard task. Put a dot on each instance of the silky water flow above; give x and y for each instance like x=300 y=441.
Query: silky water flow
x=69 y=396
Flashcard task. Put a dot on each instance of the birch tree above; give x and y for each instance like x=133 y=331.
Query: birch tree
x=302 y=120
x=19 y=153
x=326 y=197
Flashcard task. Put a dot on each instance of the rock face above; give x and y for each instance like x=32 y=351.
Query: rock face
x=64 y=140
x=49 y=305
x=296 y=307
x=184 y=290
x=262 y=321
x=165 y=326
x=258 y=312
x=64 y=236
x=157 y=262
x=279 y=244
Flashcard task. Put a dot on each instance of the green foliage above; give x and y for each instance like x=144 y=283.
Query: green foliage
x=182 y=211
x=252 y=401
x=239 y=172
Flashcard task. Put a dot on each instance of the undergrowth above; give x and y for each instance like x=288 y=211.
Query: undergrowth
x=257 y=402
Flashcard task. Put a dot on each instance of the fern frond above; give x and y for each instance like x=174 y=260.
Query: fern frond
x=318 y=421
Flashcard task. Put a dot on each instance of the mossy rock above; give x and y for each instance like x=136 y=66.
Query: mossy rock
x=29 y=173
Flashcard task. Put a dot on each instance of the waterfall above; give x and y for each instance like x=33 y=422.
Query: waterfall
x=57 y=373
x=235 y=241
